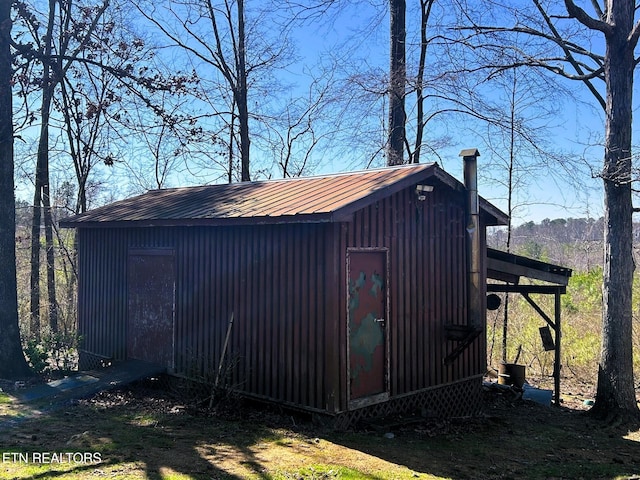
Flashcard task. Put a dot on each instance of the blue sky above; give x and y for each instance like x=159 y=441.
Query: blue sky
x=356 y=37
x=570 y=193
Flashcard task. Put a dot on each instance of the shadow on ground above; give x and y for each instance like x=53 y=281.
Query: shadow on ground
x=510 y=440
x=136 y=434
x=145 y=432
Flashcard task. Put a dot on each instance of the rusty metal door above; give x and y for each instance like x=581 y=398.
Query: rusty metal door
x=367 y=273
x=151 y=300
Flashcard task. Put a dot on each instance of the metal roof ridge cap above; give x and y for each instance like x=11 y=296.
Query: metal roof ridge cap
x=343 y=173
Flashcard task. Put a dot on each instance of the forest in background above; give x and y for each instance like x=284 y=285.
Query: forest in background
x=576 y=243
x=572 y=242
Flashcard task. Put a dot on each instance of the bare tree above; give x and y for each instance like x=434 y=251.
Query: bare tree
x=297 y=133
x=66 y=34
x=423 y=89
x=425 y=13
x=519 y=120
x=216 y=35
x=12 y=361
x=160 y=151
x=117 y=99
x=561 y=29
x=80 y=69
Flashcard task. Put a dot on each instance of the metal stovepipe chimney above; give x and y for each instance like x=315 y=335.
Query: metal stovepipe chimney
x=474 y=288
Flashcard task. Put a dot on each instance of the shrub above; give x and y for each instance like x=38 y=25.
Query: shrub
x=53 y=352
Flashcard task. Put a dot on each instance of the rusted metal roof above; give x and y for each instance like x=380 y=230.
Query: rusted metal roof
x=322 y=198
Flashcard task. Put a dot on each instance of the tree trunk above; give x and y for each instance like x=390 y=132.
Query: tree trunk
x=42 y=209
x=42 y=198
x=42 y=174
x=241 y=96
x=34 y=299
x=12 y=361
x=50 y=256
x=397 y=83
x=425 y=10
x=615 y=392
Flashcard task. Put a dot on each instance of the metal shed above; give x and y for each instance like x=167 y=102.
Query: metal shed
x=348 y=291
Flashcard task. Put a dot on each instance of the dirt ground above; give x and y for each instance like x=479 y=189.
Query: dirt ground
x=148 y=432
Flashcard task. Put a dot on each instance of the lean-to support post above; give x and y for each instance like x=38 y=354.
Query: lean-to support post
x=556 y=363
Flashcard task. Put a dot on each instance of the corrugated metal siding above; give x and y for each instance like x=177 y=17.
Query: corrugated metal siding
x=102 y=292
x=427 y=284
x=274 y=279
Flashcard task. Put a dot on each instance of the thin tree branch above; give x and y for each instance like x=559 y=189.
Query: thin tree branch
x=564 y=45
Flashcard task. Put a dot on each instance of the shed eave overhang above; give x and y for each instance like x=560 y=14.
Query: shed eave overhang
x=197 y=222
x=492 y=215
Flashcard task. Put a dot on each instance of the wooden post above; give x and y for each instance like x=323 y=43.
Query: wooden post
x=556 y=363
x=221 y=364
x=224 y=351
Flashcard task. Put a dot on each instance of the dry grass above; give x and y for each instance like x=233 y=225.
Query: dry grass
x=145 y=433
